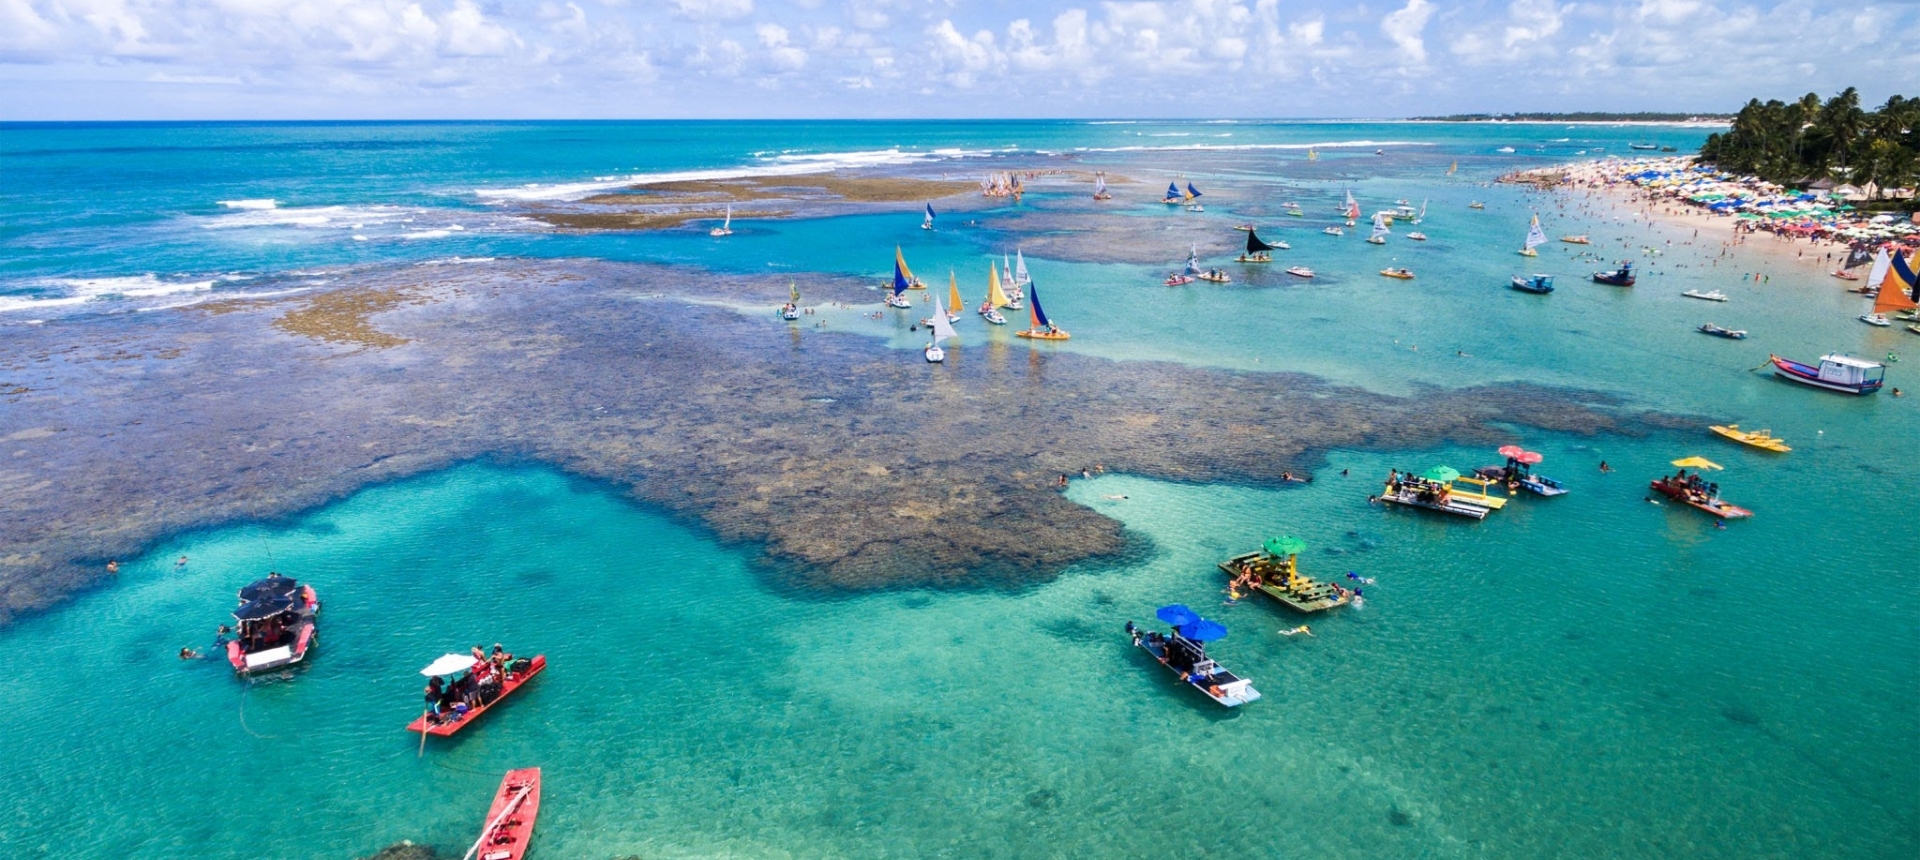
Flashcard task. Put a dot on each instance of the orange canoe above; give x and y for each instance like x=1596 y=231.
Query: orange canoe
x=509 y=825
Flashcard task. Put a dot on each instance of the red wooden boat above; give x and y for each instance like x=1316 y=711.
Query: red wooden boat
x=509 y=826
x=514 y=680
x=1680 y=492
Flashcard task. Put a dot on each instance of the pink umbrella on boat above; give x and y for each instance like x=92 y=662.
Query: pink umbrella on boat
x=1528 y=457
x=1512 y=451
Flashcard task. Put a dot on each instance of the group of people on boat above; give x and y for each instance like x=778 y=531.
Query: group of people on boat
x=451 y=698
x=1697 y=489
x=1421 y=489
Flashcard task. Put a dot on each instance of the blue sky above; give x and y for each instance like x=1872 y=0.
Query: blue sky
x=291 y=59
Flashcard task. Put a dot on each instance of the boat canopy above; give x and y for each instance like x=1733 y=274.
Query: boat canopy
x=449 y=664
x=1177 y=614
x=272 y=586
x=1254 y=245
x=263 y=608
x=1849 y=370
x=1203 y=630
x=1284 y=545
x=1443 y=474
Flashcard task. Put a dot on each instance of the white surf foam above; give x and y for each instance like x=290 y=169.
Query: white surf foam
x=1224 y=147
x=260 y=203
x=329 y=217
x=69 y=292
x=788 y=164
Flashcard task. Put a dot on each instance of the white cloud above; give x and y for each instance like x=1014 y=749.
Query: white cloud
x=714 y=10
x=1406 y=26
x=779 y=53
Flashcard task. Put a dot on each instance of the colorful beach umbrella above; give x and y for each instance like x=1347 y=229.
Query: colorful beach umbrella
x=1285 y=545
x=1511 y=450
x=1443 y=474
x=1203 y=630
x=1697 y=463
x=448 y=665
x=1530 y=458
x=1177 y=615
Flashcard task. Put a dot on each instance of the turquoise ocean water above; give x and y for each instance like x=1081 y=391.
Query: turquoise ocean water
x=1587 y=676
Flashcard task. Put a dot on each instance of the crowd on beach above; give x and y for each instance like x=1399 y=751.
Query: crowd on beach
x=1816 y=215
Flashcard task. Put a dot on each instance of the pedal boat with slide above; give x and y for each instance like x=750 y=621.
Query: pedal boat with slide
x=1275 y=572
x=1689 y=490
x=274 y=625
x=518 y=673
x=1183 y=650
x=1431 y=494
x=1762 y=439
x=509 y=827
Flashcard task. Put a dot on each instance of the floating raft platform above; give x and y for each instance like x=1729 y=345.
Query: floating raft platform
x=1413 y=500
x=1306 y=595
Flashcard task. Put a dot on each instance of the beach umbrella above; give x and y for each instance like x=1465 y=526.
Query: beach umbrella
x=1203 y=630
x=1530 y=458
x=1443 y=474
x=1697 y=463
x=453 y=663
x=1511 y=451
x=1177 y=615
x=1285 y=545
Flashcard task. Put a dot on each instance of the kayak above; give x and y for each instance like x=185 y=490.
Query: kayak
x=509 y=826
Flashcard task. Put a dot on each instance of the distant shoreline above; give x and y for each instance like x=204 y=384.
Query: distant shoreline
x=1669 y=123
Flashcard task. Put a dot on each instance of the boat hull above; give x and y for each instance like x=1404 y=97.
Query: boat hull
x=1788 y=369
x=1458 y=509
x=509 y=826
x=444 y=729
x=1221 y=686
x=1043 y=335
x=1764 y=443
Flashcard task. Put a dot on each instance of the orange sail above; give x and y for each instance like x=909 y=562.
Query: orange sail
x=1896 y=288
x=953 y=293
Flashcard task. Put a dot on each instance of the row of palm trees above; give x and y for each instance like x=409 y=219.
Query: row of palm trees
x=1793 y=143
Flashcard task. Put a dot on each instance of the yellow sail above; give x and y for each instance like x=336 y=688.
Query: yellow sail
x=901 y=260
x=953 y=293
x=995 y=295
x=1893 y=292
x=1311 y=155
x=1455 y=166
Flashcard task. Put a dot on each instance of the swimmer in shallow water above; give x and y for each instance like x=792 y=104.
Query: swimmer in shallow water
x=1297 y=630
x=1123 y=496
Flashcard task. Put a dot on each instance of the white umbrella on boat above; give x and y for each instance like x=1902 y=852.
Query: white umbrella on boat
x=449 y=665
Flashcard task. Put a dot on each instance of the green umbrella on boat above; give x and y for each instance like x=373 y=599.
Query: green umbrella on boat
x=1285 y=545
x=1442 y=474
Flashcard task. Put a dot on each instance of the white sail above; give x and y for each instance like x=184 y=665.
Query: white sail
x=1380 y=230
x=1020 y=275
x=1100 y=184
x=928 y=223
x=1193 y=260
x=1006 y=272
x=1881 y=263
x=1535 y=236
x=728 y=224
x=1351 y=206
x=941 y=328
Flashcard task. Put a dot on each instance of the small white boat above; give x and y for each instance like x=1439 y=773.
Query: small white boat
x=1535 y=238
x=726 y=227
x=1505 y=150
x=1334 y=231
x=941 y=331
x=1713 y=296
x=1417 y=237
x=1300 y=271
x=1875 y=319
x=1476 y=205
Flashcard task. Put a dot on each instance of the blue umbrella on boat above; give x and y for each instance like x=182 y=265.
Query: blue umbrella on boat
x=1177 y=615
x=1203 y=630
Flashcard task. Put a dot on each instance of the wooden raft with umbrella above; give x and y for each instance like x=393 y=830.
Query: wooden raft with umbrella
x=1695 y=491
x=1273 y=570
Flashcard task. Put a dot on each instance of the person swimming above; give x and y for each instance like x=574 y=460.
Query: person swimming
x=1358 y=578
x=1297 y=630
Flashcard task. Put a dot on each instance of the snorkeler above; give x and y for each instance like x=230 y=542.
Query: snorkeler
x=1301 y=629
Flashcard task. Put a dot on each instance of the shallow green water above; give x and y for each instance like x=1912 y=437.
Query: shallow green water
x=1504 y=692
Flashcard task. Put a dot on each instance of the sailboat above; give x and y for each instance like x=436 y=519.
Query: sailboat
x=1423 y=210
x=1257 y=250
x=1312 y=155
x=954 y=302
x=1020 y=276
x=1008 y=283
x=1453 y=167
x=941 y=331
x=792 y=309
x=928 y=223
x=1352 y=209
x=996 y=298
x=1100 y=187
x=1535 y=237
x=900 y=269
x=1193 y=199
x=1173 y=194
x=898 y=298
x=726 y=227
x=1380 y=231
x=1894 y=291
x=1043 y=328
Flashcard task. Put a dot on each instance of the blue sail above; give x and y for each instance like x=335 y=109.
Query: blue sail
x=929 y=211
x=1192 y=190
x=1173 y=189
x=899 y=279
x=1040 y=320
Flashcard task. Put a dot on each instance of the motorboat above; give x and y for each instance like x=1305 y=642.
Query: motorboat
x=1873 y=319
x=1836 y=372
x=1402 y=274
x=992 y=315
x=1701 y=495
x=1712 y=296
x=1763 y=439
x=1417 y=236
x=1536 y=283
x=274 y=625
x=1476 y=205
x=1729 y=333
x=1844 y=275
x=474 y=687
x=1178 y=280
x=1643 y=146
x=1215 y=276
x=899 y=301
x=1183 y=650
x=1334 y=231
x=509 y=827
x=1300 y=271
x=934 y=353
x=1577 y=240
x=1295 y=210
x=1621 y=277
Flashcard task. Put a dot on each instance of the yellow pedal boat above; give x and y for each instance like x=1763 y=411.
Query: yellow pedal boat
x=1756 y=438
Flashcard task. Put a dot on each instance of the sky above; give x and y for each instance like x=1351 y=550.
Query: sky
x=449 y=59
